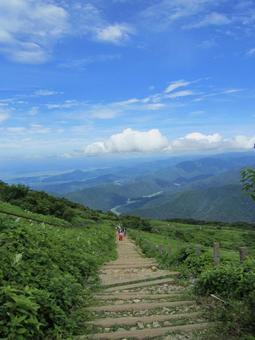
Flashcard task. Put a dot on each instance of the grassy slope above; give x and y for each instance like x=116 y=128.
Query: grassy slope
x=48 y=269
x=174 y=236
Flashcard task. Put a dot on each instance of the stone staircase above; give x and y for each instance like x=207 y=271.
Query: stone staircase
x=140 y=301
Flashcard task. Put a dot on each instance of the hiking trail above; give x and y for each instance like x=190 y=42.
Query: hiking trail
x=141 y=301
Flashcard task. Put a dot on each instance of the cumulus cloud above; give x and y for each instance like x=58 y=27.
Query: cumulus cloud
x=117 y=33
x=196 y=141
x=130 y=140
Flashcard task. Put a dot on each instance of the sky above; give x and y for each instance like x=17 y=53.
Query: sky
x=81 y=78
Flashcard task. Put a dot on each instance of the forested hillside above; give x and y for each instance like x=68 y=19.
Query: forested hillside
x=207 y=189
x=225 y=203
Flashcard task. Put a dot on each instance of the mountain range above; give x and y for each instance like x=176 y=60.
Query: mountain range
x=196 y=187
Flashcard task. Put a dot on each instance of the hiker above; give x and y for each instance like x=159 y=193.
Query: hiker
x=121 y=235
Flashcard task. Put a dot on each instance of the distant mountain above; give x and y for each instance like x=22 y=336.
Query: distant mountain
x=133 y=195
x=157 y=187
x=227 y=203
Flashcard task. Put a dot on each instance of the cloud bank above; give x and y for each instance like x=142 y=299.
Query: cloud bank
x=151 y=141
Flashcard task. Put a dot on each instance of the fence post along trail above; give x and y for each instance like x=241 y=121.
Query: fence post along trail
x=216 y=253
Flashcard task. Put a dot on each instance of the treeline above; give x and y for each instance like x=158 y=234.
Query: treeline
x=134 y=222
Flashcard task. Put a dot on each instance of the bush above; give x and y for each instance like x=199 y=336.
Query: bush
x=42 y=203
x=134 y=222
x=235 y=284
x=46 y=277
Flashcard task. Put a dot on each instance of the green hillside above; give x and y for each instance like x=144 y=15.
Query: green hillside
x=177 y=190
x=48 y=263
x=51 y=251
x=226 y=203
x=106 y=197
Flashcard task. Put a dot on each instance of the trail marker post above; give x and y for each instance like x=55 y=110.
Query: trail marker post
x=197 y=250
x=216 y=253
x=243 y=254
x=161 y=249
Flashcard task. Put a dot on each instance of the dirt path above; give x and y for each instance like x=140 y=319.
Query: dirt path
x=140 y=301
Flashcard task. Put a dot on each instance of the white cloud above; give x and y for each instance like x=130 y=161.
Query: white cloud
x=4 y=115
x=130 y=140
x=33 y=129
x=29 y=28
x=212 y=19
x=176 y=84
x=251 y=52
x=84 y=62
x=180 y=94
x=241 y=142
x=164 y=12
x=116 y=33
x=67 y=104
x=104 y=113
x=45 y=93
x=196 y=141
x=16 y=129
x=229 y=91
x=33 y=111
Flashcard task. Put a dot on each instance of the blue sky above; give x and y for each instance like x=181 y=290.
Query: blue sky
x=126 y=76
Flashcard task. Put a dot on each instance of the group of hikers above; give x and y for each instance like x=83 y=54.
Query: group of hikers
x=121 y=233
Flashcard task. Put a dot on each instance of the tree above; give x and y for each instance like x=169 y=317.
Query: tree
x=248 y=181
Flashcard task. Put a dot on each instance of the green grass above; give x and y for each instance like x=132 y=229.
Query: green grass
x=15 y=211
x=230 y=238
x=48 y=272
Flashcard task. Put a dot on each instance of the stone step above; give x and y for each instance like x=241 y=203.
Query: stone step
x=140 y=284
x=130 y=320
x=149 y=333
x=134 y=265
x=131 y=261
x=149 y=278
x=134 y=296
x=139 y=306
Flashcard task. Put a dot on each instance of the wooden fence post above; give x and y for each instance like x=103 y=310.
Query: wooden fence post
x=197 y=250
x=243 y=254
x=216 y=253
x=161 y=249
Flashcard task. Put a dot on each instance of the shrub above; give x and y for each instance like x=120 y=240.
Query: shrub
x=134 y=222
x=235 y=284
x=46 y=277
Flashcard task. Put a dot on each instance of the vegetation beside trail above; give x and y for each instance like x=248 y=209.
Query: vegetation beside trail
x=48 y=268
x=175 y=245
x=40 y=202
